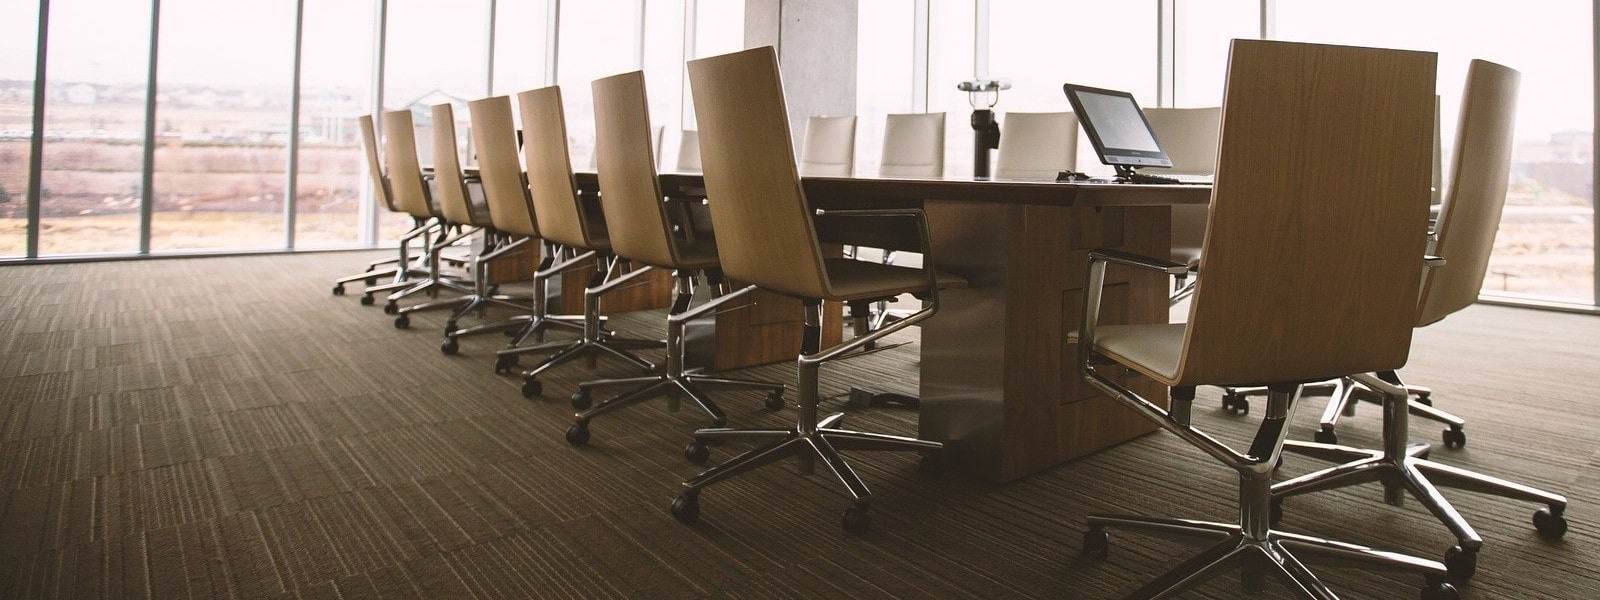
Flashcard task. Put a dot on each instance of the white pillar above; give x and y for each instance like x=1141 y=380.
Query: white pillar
x=816 y=43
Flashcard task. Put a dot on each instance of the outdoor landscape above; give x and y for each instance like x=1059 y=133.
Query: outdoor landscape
x=221 y=156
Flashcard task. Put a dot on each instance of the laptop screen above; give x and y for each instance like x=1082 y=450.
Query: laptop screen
x=1116 y=127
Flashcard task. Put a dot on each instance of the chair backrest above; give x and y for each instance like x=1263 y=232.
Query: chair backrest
x=764 y=231
x=689 y=152
x=405 y=172
x=1189 y=135
x=369 y=146
x=913 y=145
x=829 y=147
x=1313 y=254
x=1036 y=146
x=635 y=214
x=494 y=136
x=549 y=164
x=1470 y=214
x=453 y=202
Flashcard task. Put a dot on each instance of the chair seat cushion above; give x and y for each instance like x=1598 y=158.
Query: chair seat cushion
x=1152 y=349
x=852 y=279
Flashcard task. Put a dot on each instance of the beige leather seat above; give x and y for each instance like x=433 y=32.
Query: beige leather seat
x=1465 y=235
x=829 y=147
x=1283 y=318
x=766 y=237
x=1036 y=146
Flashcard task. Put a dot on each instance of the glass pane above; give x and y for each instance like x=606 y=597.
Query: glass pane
x=1546 y=242
x=718 y=29
x=664 y=75
x=434 y=55
x=222 y=120
x=1204 y=28
x=1027 y=46
x=19 y=39
x=597 y=38
x=520 y=39
x=883 y=74
x=335 y=88
x=94 y=126
x=950 y=35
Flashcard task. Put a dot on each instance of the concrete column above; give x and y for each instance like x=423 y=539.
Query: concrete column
x=816 y=42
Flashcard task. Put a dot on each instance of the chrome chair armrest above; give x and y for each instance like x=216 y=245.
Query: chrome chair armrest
x=930 y=277
x=1138 y=261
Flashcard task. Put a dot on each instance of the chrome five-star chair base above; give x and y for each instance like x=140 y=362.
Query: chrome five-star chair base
x=1404 y=467
x=595 y=340
x=673 y=381
x=809 y=439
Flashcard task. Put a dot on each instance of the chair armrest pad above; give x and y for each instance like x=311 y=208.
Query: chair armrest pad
x=1433 y=261
x=1138 y=261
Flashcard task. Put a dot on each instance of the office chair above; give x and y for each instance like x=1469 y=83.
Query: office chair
x=1297 y=120
x=1189 y=136
x=505 y=192
x=688 y=160
x=766 y=237
x=462 y=207
x=563 y=219
x=643 y=231
x=410 y=192
x=1036 y=146
x=402 y=269
x=1468 y=219
x=829 y=147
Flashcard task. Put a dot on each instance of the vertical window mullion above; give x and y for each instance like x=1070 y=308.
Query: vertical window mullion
x=291 y=185
x=147 y=200
x=36 y=143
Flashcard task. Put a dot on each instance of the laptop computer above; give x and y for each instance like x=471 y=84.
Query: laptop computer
x=1122 y=136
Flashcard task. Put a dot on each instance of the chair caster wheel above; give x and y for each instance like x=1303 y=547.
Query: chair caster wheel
x=578 y=433
x=931 y=465
x=581 y=400
x=1550 y=523
x=450 y=347
x=1440 y=590
x=1455 y=438
x=856 y=520
x=1461 y=563
x=1425 y=399
x=697 y=452
x=1275 y=513
x=1236 y=404
x=371 y=281
x=1096 y=544
x=391 y=308
x=366 y=300
x=1326 y=436
x=338 y=290
x=774 y=401
x=531 y=388
x=686 y=507
x=450 y=327
x=402 y=322
x=504 y=363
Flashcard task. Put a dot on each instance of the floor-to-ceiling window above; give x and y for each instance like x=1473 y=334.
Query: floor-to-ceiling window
x=951 y=60
x=92 y=182
x=1202 y=31
x=18 y=49
x=885 y=59
x=335 y=89
x=1545 y=245
x=597 y=38
x=222 y=122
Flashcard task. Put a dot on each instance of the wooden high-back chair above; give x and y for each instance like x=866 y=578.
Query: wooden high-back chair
x=1315 y=233
x=410 y=192
x=1464 y=236
x=380 y=187
x=766 y=237
x=563 y=219
x=644 y=231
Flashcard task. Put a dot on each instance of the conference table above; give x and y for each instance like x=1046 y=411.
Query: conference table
x=997 y=379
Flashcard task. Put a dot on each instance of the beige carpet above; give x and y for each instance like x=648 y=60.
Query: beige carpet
x=224 y=428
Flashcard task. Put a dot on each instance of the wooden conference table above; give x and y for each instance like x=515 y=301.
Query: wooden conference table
x=997 y=380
